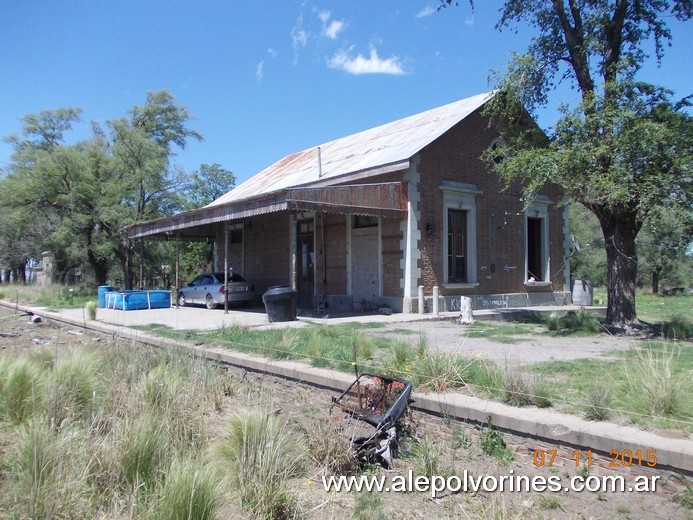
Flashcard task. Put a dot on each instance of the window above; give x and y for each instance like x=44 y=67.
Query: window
x=457 y=246
x=498 y=146
x=535 y=249
x=459 y=233
x=537 y=242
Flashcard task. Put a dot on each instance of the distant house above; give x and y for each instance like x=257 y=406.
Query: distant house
x=362 y=221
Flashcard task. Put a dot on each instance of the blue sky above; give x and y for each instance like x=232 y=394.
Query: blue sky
x=263 y=79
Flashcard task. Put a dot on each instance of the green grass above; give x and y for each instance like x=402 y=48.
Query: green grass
x=569 y=386
x=53 y=296
x=103 y=432
x=649 y=385
x=259 y=458
x=320 y=345
x=190 y=491
x=657 y=309
x=499 y=332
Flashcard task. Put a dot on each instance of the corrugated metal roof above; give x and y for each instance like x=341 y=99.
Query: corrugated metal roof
x=384 y=145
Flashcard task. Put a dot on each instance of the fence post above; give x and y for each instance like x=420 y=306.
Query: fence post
x=466 y=316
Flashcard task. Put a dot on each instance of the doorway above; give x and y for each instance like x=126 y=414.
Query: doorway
x=305 y=262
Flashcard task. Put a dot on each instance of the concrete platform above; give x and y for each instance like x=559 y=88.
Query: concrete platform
x=200 y=318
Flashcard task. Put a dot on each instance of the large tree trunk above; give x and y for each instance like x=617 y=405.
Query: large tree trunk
x=622 y=267
x=124 y=256
x=99 y=264
x=100 y=268
x=655 y=279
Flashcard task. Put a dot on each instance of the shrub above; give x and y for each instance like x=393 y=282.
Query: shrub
x=260 y=463
x=438 y=371
x=582 y=321
x=542 y=394
x=677 y=328
x=492 y=443
x=330 y=449
x=428 y=457
x=517 y=389
x=652 y=387
x=160 y=387
x=143 y=448
x=74 y=386
x=484 y=375
x=91 y=307
x=190 y=492
x=598 y=401
x=22 y=389
x=402 y=357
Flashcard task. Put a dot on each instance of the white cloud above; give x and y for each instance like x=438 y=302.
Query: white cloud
x=324 y=16
x=299 y=36
x=361 y=65
x=426 y=11
x=333 y=29
x=260 y=67
x=330 y=29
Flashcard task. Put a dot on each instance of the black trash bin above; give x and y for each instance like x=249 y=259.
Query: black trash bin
x=280 y=303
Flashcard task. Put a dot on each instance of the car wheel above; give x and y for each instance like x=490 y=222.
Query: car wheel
x=209 y=302
x=181 y=300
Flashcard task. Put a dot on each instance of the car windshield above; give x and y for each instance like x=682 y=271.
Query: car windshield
x=233 y=277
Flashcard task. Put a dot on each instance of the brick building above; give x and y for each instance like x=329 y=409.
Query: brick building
x=364 y=220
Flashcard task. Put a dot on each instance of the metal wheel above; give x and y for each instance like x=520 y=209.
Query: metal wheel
x=181 y=300
x=209 y=302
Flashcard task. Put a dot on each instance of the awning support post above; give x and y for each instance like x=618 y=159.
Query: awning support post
x=226 y=268
x=177 y=269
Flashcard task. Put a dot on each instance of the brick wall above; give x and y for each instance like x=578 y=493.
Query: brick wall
x=499 y=215
x=266 y=250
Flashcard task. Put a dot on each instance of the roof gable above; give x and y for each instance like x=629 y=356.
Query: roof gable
x=372 y=149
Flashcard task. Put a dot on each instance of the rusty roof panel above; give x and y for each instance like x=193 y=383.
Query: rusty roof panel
x=385 y=200
x=387 y=144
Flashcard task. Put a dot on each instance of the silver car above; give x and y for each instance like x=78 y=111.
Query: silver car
x=208 y=289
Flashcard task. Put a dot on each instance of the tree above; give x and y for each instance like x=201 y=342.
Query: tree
x=625 y=148
x=37 y=192
x=76 y=200
x=144 y=184
x=663 y=246
x=207 y=184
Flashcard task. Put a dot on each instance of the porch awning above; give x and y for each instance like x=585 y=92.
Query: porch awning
x=382 y=199
x=379 y=200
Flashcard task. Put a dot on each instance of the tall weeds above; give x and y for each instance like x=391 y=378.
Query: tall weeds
x=652 y=386
x=111 y=432
x=190 y=491
x=22 y=390
x=260 y=461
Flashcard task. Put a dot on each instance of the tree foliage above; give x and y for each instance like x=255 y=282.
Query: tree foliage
x=625 y=147
x=76 y=200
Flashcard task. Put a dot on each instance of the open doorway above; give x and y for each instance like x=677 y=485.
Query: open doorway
x=305 y=262
x=535 y=249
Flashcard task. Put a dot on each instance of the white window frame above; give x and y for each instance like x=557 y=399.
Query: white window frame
x=460 y=196
x=539 y=210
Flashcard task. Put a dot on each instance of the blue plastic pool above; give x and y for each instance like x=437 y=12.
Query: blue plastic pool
x=138 y=300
